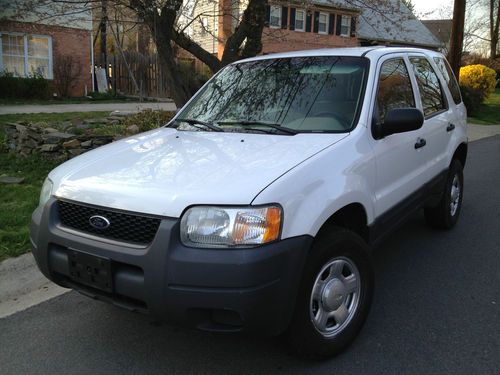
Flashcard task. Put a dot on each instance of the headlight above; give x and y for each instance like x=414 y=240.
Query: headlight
x=46 y=192
x=206 y=226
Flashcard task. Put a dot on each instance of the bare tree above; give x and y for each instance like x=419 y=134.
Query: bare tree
x=162 y=18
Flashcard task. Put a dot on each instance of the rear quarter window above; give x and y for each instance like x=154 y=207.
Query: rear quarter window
x=450 y=79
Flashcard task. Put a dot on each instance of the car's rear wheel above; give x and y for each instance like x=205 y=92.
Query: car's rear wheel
x=335 y=295
x=445 y=214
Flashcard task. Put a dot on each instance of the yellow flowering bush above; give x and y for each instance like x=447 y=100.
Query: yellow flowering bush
x=478 y=77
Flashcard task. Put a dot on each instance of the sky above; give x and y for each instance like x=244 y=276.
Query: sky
x=424 y=7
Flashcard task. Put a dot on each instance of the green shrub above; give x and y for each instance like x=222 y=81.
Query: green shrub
x=148 y=119
x=32 y=87
x=472 y=98
x=105 y=95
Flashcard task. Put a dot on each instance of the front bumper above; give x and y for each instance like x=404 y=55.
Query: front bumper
x=210 y=289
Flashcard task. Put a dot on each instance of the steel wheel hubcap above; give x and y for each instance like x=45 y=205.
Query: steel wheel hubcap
x=454 y=195
x=335 y=296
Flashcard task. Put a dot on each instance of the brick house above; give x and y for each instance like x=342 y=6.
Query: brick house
x=39 y=42
x=293 y=25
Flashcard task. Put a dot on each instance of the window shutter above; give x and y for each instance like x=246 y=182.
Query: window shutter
x=292 y=18
x=284 y=17
x=338 y=29
x=316 y=22
x=308 y=22
x=331 y=23
x=353 y=26
x=268 y=15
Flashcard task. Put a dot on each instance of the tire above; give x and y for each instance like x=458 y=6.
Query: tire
x=348 y=255
x=445 y=214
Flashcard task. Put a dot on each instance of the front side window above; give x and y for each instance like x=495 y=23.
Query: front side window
x=25 y=55
x=306 y=94
x=450 y=79
x=345 y=28
x=394 y=88
x=299 y=20
x=275 y=16
x=323 y=23
x=429 y=86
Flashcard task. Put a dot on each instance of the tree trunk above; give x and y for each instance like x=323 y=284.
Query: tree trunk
x=249 y=29
x=457 y=36
x=104 y=36
x=162 y=27
x=494 y=28
x=176 y=84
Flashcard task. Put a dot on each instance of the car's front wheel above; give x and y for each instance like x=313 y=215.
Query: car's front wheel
x=335 y=295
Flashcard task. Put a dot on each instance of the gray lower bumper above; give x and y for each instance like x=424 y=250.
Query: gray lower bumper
x=211 y=289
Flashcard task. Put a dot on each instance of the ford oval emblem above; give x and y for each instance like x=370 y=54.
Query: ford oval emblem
x=99 y=222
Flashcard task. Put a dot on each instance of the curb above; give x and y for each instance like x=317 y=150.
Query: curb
x=22 y=285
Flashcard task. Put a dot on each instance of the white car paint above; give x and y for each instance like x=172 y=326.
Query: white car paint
x=164 y=171
x=311 y=175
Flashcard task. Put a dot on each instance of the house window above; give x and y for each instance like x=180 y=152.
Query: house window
x=25 y=55
x=345 y=29
x=323 y=23
x=204 y=25
x=300 y=17
x=275 y=16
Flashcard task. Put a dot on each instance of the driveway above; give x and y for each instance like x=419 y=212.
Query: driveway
x=436 y=311
x=86 y=107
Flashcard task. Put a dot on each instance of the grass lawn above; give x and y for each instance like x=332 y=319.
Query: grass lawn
x=489 y=113
x=17 y=202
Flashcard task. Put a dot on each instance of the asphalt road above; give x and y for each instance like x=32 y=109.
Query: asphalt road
x=436 y=311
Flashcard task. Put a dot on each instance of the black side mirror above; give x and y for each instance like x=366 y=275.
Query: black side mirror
x=400 y=120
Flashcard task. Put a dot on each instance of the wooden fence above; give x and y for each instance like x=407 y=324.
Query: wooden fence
x=146 y=70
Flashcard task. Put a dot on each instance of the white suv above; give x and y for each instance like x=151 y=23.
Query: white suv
x=254 y=208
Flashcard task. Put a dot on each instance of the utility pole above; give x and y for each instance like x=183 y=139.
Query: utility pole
x=457 y=36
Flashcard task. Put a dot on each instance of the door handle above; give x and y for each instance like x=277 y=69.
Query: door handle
x=420 y=143
x=450 y=127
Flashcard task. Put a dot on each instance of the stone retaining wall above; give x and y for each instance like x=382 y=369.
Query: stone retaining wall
x=49 y=142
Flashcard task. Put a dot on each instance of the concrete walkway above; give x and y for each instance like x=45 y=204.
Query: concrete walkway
x=22 y=285
x=86 y=107
x=476 y=132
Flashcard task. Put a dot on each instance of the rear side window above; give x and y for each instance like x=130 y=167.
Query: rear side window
x=429 y=86
x=394 y=88
x=450 y=79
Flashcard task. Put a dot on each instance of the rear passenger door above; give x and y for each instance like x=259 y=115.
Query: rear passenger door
x=437 y=114
x=400 y=164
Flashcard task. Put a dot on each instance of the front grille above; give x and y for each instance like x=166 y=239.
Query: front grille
x=124 y=227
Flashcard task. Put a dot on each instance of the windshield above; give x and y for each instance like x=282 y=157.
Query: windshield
x=305 y=94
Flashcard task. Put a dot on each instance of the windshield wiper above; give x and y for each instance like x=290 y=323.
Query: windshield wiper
x=259 y=123
x=194 y=122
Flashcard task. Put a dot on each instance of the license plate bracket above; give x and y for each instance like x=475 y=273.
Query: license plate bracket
x=90 y=270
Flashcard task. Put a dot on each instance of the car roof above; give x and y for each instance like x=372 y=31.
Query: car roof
x=373 y=52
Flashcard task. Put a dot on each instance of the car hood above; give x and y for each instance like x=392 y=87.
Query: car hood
x=163 y=171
